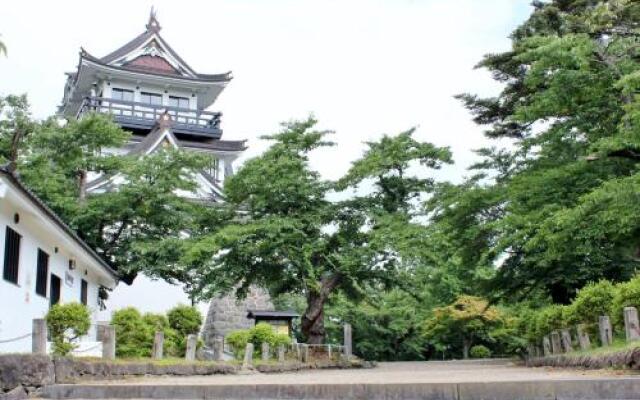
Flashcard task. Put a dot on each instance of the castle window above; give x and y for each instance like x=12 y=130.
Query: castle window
x=122 y=94
x=11 y=255
x=42 y=273
x=179 y=102
x=154 y=99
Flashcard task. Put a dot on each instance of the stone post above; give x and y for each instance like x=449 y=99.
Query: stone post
x=329 y=352
x=39 y=336
x=248 y=356
x=348 y=349
x=218 y=349
x=281 y=353
x=583 y=337
x=546 y=346
x=192 y=344
x=298 y=352
x=604 y=326
x=108 y=336
x=305 y=353
x=158 y=344
x=264 y=351
x=556 y=342
x=567 y=346
x=631 y=327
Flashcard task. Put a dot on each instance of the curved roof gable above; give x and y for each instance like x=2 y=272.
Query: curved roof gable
x=150 y=52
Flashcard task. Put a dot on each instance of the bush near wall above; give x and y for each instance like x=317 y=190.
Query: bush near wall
x=626 y=294
x=66 y=323
x=135 y=332
x=262 y=332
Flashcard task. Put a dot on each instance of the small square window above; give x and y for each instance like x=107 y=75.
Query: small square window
x=154 y=99
x=122 y=94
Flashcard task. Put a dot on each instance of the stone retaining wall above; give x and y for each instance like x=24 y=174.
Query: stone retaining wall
x=628 y=359
x=32 y=372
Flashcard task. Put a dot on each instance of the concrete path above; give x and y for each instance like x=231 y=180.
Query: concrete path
x=392 y=373
x=399 y=381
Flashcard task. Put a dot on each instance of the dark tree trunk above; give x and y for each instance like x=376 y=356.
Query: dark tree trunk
x=313 y=318
x=466 y=346
x=560 y=293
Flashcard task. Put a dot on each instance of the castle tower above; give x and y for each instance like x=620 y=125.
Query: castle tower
x=139 y=83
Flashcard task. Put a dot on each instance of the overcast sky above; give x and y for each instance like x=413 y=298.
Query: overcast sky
x=362 y=67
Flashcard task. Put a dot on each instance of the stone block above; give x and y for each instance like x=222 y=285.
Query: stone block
x=347 y=342
x=264 y=351
x=546 y=346
x=567 y=345
x=281 y=353
x=556 y=342
x=248 y=356
x=27 y=370
x=583 y=337
x=631 y=326
x=604 y=328
x=192 y=344
x=158 y=345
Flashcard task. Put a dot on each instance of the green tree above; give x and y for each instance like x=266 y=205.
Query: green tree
x=461 y=324
x=292 y=239
x=136 y=225
x=557 y=207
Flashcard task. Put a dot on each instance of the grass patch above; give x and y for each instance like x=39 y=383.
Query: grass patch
x=618 y=345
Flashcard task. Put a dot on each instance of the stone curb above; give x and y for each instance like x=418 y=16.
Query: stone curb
x=534 y=390
x=629 y=359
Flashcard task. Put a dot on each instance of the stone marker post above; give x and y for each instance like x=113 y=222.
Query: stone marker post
x=281 y=353
x=248 y=356
x=546 y=346
x=583 y=337
x=298 y=352
x=329 y=352
x=604 y=326
x=348 y=349
x=39 y=336
x=158 y=344
x=567 y=346
x=556 y=342
x=192 y=344
x=264 y=351
x=218 y=349
x=631 y=327
x=305 y=353
x=108 y=342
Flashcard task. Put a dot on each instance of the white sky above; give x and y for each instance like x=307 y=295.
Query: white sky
x=362 y=67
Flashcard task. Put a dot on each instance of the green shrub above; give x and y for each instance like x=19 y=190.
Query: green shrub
x=592 y=301
x=549 y=319
x=134 y=337
x=238 y=341
x=185 y=320
x=66 y=323
x=479 y=351
x=172 y=345
x=262 y=332
x=626 y=294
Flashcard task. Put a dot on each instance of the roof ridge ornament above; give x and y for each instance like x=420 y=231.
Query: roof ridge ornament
x=153 y=25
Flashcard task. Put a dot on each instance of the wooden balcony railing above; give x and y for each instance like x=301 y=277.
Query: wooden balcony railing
x=136 y=115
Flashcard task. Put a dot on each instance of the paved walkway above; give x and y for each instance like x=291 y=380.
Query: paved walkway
x=394 y=373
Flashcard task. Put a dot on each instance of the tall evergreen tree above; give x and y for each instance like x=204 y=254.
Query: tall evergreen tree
x=558 y=207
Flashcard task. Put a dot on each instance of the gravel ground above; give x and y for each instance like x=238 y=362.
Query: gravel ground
x=395 y=372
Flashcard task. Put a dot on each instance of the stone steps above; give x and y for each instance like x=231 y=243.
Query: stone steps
x=570 y=389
